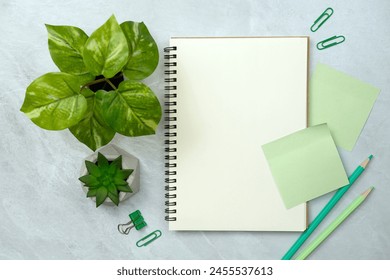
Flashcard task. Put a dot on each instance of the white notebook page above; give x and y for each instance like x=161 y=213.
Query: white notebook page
x=233 y=95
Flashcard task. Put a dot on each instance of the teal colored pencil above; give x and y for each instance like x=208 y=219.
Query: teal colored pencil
x=323 y=235
x=325 y=211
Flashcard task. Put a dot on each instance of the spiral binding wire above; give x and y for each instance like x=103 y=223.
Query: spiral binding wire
x=170 y=134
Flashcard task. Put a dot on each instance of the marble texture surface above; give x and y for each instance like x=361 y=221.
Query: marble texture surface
x=43 y=211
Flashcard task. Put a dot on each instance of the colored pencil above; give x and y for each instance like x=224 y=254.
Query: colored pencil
x=325 y=211
x=323 y=235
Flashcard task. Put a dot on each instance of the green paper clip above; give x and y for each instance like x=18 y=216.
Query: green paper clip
x=155 y=234
x=321 y=19
x=136 y=220
x=330 y=42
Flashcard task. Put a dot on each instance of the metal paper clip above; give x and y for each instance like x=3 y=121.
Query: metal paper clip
x=136 y=220
x=149 y=238
x=321 y=19
x=330 y=42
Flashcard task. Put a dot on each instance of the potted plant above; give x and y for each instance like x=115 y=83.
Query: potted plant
x=98 y=91
x=110 y=176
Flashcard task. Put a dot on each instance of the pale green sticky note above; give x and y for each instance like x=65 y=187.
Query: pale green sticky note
x=305 y=165
x=341 y=101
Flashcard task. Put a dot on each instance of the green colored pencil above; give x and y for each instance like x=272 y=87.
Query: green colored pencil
x=328 y=207
x=348 y=211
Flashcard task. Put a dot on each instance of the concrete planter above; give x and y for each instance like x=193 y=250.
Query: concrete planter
x=129 y=161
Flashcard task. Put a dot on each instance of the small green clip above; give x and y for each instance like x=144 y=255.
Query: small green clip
x=330 y=42
x=154 y=235
x=136 y=220
x=139 y=223
x=321 y=19
x=135 y=215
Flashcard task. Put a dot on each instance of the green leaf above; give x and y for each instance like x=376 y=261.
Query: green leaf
x=93 y=169
x=112 y=189
x=144 y=55
x=53 y=101
x=125 y=173
x=106 y=52
x=66 y=45
x=132 y=109
x=102 y=160
x=101 y=195
x=92 y=130
x=124 y=188
x=90 y=180
x=91 y=192
x=112 y=170
x=86 y=92
x=114 y=198
x=117 y=162
x=120 y=182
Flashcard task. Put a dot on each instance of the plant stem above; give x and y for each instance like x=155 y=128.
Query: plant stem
x=99 y=81
x=111 y=84
x=93 y=83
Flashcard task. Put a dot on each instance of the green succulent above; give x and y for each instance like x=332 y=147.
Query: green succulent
x=105 y=179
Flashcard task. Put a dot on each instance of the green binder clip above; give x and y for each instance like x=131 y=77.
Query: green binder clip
x=330 y=42
x=149 y=238
x=136 y=220
x=321 y=19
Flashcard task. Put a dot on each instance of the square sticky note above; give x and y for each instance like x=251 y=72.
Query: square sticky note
x=341 y=101
x=305 y=165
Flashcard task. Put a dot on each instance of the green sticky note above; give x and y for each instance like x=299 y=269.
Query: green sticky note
x=341 y=101
x=305 y=165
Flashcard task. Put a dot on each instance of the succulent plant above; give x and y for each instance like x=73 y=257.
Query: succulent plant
x=106 y=179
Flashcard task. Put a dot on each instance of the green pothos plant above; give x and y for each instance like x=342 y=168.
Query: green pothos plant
x=98 y=92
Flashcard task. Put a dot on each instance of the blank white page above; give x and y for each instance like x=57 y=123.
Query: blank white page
x=234 y=95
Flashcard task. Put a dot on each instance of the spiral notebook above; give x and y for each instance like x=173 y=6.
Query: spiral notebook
x=226 y=97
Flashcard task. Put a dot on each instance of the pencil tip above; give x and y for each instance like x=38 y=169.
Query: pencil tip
x=367 y=192
x=366 y=161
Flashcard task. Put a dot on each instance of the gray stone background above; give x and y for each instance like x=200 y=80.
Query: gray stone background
x=43 y=211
